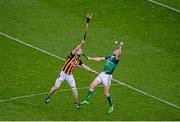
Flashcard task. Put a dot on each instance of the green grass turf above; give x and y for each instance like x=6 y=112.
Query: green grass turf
x=150 y=60
x=171 y=3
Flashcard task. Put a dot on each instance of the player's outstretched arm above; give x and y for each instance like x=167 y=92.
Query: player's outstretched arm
x=88 y=17
x=78 y=47
x=89 y=69
x=120 y=50
x=96 y=58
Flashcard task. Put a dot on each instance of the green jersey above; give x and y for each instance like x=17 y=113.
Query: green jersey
x=110 y=64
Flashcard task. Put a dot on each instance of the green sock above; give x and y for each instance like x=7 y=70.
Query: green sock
x=89 y=94
x=110 y=100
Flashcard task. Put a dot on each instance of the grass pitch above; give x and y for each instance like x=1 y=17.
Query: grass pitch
x=150 y=60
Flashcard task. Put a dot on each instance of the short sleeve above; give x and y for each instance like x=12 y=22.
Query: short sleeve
x=117 y=61
x=80 y=62
x=106 y=57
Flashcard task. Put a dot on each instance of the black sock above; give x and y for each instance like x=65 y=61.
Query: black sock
x=109 y=98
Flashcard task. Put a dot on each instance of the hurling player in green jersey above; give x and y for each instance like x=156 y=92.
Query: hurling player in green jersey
x=105 y=76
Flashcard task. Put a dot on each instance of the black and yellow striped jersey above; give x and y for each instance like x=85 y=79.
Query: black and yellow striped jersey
x=71 y=63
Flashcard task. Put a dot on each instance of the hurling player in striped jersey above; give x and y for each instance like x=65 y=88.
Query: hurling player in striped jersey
x=66 y=73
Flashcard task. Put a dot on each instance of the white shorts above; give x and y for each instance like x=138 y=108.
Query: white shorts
x=104 y=78
x=63 y=76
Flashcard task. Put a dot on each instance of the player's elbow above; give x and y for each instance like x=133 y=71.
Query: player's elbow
x=106 y=94
x=98 y=59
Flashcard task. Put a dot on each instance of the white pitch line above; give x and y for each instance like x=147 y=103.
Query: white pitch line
x=44 y=93
x=147 y=94
x=117 y=81
x=32 y=95
x=29 y=45
x=163 y=5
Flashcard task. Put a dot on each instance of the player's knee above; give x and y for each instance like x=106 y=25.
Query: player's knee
x=74 y=90
x=58 y=83
x=56 y=87
x=91 y=86
x=106 y=94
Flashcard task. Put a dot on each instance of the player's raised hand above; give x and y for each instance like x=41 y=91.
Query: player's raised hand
x=89 y=17
x=121 y=43
x=82 y=42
